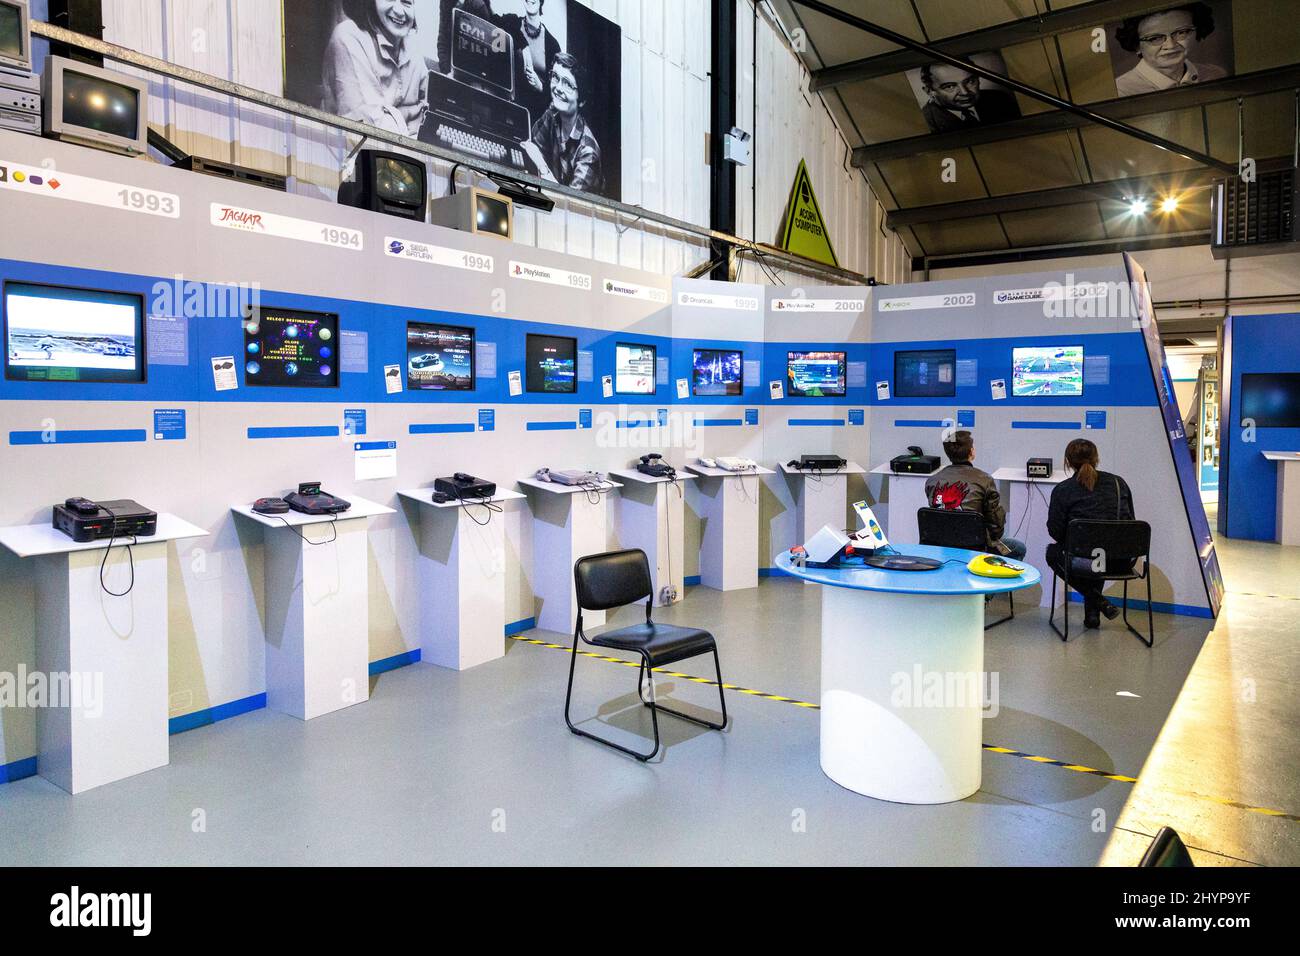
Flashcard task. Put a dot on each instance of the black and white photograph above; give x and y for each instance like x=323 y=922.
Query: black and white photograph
x=952 y=97
x=532 y=84
x=1183 y=45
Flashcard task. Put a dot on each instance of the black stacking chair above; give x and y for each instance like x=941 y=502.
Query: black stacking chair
x=959 y=529
x=1126 y=546
x=607 y=581
x=1167 y=850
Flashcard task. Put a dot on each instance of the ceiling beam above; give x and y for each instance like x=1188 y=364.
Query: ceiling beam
x=1051 y=99
x=1116 y=190
x=1128 y=107
x=1096 y=13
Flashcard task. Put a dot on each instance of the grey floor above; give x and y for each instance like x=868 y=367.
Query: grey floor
x=477 y=767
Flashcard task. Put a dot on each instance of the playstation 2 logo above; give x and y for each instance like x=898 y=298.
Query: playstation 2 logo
x=396 y=247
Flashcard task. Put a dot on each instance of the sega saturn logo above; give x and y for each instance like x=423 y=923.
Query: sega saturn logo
x=396 y=247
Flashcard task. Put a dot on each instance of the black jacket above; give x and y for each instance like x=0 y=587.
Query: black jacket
x=1109 y=500
x=963 y=487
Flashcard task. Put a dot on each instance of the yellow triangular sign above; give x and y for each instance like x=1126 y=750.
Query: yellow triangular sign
x=803 y=230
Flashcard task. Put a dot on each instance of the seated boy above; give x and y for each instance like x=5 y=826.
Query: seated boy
x=963 y=487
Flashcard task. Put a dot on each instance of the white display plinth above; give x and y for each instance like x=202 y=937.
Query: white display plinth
x=317 y=608
x=905 y=498
x=822 y=498
x=652 y=519
x=462 y=575
x=1025 y=500
x=727 y=503
x=113 y=651
x=1288 y=495
x=567 y=525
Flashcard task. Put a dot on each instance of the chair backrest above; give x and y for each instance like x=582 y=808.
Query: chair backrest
x=1118 y=540
x=613 y=579
x=952 y=529
x=1167 y=850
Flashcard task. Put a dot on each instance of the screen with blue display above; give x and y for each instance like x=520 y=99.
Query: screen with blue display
x=1270 y=400
x=717 y=372
x=1054 y=370
x=57 y=334
x=925 y=373
x=552 y=362
x=291 y=348
x=816 y=374
x=439 y=357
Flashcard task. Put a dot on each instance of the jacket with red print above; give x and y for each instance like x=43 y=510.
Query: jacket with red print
x=964 y=487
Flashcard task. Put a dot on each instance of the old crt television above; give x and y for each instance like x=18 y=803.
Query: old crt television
x=717 y=372
x=15 y=35
x=439 y=358
x=93 y=106
x=58 y=334
x=389 y=183
x=1270 y=400
x=482 y=53
x=816 y=374
x=925 y=373
x=634 y=369
x=552 y=362
x=1053 y=370
x=291 y=348
x=480 y=211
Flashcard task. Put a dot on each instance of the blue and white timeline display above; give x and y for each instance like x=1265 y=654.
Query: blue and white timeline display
x=816 y=374
x=439 y=357
x=634 y=369
x=552 y=364
x=58 y=334
x=1054 y=370
x=291 y=348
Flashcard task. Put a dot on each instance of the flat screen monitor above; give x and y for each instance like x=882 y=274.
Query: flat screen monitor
x=482 y=51
x=95 y=107
x=552 y=362
x=57 y=334
x=15 y=35
x=439 y=358
x=634 y=369
x=1051 y=370
x=925 y=373
x=718 y=372
x=291 y=348
x=1270 y=399
x=816 y=374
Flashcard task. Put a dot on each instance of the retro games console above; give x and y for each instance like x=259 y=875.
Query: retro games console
x=462 y=486
x=310 y=500
x=83 y=520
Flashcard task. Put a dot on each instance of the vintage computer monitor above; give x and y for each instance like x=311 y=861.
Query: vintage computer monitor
x=15 y=36
x=471 y=209
x=482 y=53
x=95 y=107
x=389 y=183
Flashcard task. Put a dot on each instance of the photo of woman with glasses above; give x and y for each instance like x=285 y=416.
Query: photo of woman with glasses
x=1168 y=45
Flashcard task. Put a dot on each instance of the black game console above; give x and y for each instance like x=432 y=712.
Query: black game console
x=84 y=521
x=820 y=463
x=655 y=466
x=1038 y=468
x=310 y=500
x=465 y=487
x=916 y=462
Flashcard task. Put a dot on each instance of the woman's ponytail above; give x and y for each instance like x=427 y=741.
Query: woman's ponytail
x=1081 y=458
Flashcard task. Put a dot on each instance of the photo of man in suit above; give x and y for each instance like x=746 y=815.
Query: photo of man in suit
x=957 y=99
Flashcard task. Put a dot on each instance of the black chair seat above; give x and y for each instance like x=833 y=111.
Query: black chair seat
x=661 y=643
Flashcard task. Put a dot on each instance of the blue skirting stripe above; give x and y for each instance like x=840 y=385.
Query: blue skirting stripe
x=296 y=431
x=17 y=770
x=1160 y=607
x=551 y=426
x=518 y=627
x=815 y=421
x=642 y=423
x=769 y=572
x=920 y=423
x=1055 y=426
x=691 y=580
x=394 y=662
x=93 y=436
x=201 y=718
x=451 y=428
x=711 y=422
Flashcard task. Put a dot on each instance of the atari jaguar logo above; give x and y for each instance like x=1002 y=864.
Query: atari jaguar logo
x=241 y=219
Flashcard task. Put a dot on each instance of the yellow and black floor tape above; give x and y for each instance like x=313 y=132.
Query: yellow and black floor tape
x=808 y=705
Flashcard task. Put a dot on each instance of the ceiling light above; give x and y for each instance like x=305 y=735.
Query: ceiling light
x=1169 y=204
x=1137 y=207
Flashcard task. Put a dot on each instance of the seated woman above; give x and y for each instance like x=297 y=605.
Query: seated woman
x=371 y=73
x=1088 y=494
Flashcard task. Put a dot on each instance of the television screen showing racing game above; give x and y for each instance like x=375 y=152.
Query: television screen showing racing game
x=816 y=374
x=439 y=357
x=56 y=334
x=1054 y=370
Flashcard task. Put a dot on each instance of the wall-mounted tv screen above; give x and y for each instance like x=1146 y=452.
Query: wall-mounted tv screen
x=439 y=358
x=57 y=334
x=291 y=348
x=1052 y=370
x=1270 y=400
x=634 y=369
x=718 y=372
x=816 y=374
x=552 y=363
x=925 y=373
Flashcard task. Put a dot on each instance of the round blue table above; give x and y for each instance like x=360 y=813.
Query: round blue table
x=902 y=690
